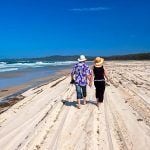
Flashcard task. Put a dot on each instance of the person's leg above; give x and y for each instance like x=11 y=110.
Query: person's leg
x=79 y=94
x=97 y=92
x=102 y=90
x=84 y=94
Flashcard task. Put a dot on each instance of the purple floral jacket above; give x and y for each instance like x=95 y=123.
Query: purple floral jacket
x=81 y=71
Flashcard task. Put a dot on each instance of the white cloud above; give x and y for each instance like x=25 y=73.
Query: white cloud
x=90 y=9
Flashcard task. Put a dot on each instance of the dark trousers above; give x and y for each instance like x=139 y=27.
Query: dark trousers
x=100 y=89
x=81 y=91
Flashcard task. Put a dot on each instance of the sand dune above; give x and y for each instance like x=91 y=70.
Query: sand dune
x=47 y=119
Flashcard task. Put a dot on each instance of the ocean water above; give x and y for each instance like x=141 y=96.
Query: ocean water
x=16 y=73
x=8 y=67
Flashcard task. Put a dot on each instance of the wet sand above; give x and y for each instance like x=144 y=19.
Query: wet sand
x=13 y=89
x=47 y=118
x=11 y=95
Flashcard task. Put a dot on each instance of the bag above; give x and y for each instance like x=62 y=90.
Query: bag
x=72 y=81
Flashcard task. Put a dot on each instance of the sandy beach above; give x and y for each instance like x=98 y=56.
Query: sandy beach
x=46 y=117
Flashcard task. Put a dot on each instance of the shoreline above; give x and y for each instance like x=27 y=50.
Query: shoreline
x=34 y=82
x=11 y=95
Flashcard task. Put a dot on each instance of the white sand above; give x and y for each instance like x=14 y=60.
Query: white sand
x=42 y=122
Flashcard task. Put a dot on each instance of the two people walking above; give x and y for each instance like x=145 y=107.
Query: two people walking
x=82 y=76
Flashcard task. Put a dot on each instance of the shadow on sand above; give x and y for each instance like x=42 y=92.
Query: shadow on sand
x=74 y=103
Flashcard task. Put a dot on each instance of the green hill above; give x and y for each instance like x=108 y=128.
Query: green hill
x=139 y=56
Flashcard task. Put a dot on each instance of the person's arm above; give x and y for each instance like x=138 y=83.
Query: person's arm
x=90 y=76
x=105 y=75
x=72 y=76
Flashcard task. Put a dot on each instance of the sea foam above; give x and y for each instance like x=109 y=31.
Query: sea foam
x=5 y=67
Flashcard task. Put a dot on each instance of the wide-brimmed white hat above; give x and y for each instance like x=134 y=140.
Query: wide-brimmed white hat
x=98 y=61
x=82 y=58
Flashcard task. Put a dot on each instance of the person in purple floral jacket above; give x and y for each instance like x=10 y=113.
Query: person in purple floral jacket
x=79 y=76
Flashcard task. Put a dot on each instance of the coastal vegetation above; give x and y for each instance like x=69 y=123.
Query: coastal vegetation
x=138 y=56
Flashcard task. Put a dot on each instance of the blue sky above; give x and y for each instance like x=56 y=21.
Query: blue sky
x=33 y=28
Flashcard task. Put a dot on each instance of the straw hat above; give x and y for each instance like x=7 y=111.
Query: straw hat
x=98 y=61
x=82 y=58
